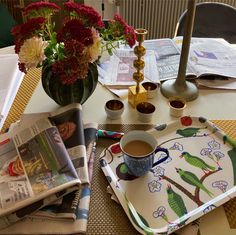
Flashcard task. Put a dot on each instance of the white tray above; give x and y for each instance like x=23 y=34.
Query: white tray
x=163 y=200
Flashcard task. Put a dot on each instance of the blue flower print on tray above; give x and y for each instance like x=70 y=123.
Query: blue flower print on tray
x=199 y=176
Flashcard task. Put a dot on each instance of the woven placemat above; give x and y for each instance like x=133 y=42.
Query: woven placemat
x=106 y=216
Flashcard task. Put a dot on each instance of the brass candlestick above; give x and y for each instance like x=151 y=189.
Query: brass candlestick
x=137 y=94
x=180 y=87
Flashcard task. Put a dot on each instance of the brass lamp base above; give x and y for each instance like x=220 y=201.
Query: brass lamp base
x=187 y=91
x=134 y=98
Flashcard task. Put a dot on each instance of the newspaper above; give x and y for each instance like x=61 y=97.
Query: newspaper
x=68 y=120
x=209 y=58
x=167 y=58
x=67 y=208
x=35 y=170
x=117 y=72
x=55 y=225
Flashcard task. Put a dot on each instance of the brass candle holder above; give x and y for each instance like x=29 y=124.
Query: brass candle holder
x=138 y=93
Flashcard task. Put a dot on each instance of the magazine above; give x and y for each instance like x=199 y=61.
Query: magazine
x=57 y=224
x=210 y=58
x=36 y=169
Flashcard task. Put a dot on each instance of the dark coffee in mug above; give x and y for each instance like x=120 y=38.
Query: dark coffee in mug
x=138 y=148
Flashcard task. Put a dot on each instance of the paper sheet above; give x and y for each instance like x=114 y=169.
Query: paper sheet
x=10 y=80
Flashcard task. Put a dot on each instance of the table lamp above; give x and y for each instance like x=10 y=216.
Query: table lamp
x=138 y=93
x=179 y=86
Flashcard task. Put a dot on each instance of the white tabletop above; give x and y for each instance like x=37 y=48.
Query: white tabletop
x=211 y=104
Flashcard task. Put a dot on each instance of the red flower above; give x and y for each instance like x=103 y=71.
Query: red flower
x=26 y=30
x=186 y=121
x=130 y=35
x=77 y=44
x=71 y=6
x=86 y=14
x=119 y=19
x=73 y=47
x=40 y=8
x=115 y=148
x=68 y=69
x=74 y=29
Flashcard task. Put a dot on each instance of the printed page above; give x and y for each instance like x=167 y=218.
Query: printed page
x=118 y=71
x=211 y=56
x=69 y=123
x=220 y=83
x=14 y=184
x=167 y=58
x=40 y=161
x=68 y=120
x=10 y=80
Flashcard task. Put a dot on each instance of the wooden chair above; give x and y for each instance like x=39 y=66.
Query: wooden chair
x=212 y=20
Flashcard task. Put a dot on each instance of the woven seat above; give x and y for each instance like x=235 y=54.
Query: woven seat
x=212 y=20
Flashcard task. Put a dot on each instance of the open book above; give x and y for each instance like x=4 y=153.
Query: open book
x=50 y=158
x=209 y=58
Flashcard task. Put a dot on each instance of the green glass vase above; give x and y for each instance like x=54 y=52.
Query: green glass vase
x=77 y=92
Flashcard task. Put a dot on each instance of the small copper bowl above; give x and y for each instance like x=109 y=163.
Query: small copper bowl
x=151 y=89
x=114 y=108
x=145 y=111
x=177 y=106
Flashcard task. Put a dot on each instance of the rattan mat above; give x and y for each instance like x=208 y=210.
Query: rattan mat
x=106 y=216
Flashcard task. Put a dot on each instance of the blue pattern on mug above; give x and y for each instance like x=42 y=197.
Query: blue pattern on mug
x=139 y=166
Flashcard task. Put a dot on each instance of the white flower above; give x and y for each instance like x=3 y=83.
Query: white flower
x=32 y=52
x=95 y=49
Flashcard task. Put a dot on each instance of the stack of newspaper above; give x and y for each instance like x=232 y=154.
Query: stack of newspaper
x=45 y=173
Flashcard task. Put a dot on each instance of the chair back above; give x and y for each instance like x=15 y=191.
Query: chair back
x=212 y=20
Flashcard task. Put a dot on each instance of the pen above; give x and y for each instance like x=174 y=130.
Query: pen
x=110 y=134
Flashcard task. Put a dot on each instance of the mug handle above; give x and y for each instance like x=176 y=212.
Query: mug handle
x=158 y=149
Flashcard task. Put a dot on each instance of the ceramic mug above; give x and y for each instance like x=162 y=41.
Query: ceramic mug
x=139 y=149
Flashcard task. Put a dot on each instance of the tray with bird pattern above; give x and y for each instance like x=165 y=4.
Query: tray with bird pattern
x=199 y=175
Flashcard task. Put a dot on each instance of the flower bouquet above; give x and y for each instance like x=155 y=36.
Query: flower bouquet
x=69 y=55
